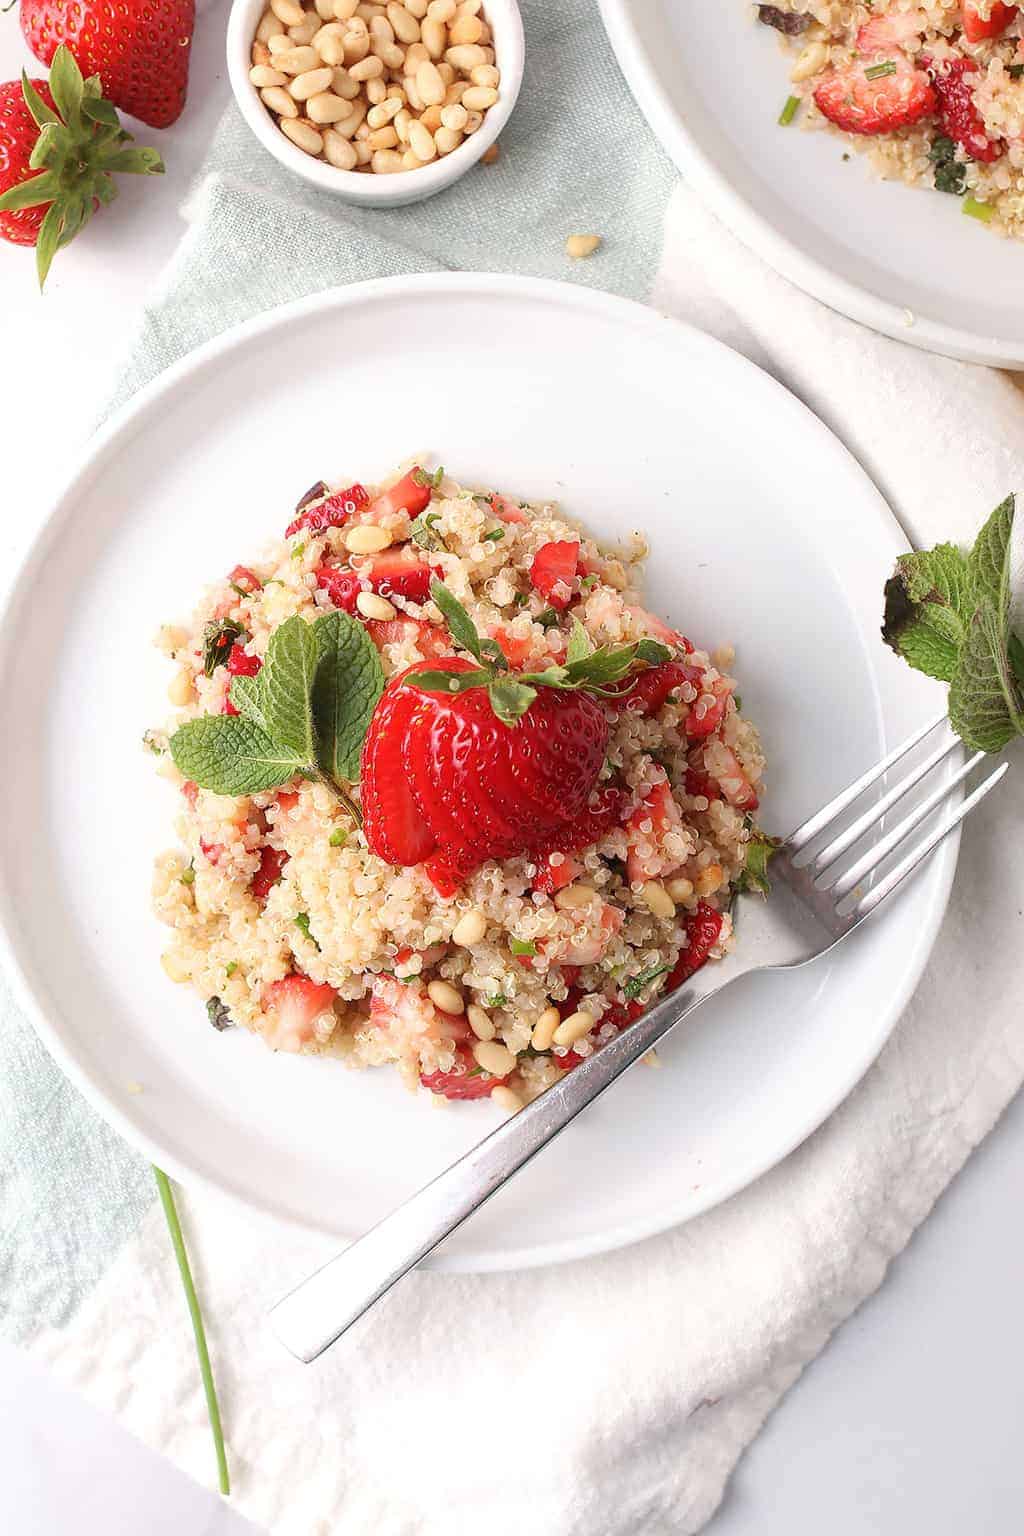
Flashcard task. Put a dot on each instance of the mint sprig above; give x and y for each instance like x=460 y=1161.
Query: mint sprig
x=948 y=614
x=595 y=670
x=305 y=712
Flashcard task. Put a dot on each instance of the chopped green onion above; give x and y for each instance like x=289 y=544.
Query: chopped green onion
x=789 y=111
x=879 y=71
x=299 y=551
x=493 y=537
x=188 y=876
x=520 y=947
x=520 y=600
x=976 y=210
x=548 y=617
x=231 y=968
x=499 y=1000
x=338 y=838
x=589 y=582
x=302 y=924
x=638 y=984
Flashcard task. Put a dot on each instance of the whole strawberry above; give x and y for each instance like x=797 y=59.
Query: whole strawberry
x=139 y=49
x=60 y=144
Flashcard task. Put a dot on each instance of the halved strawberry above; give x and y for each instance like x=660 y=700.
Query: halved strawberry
x=870 y=98
x=977 y=27
x=895 y=29
x=272 y=863
x=960 y=118
x=702 y=930
x=554 y=570
x=465 y=1080
x=648 y=858
x=341 y=585
x=294 y=1005
x=599 y=815
x=411 y=493
x=397 y=832
x=334 y=511
x=399 y=572
x=241 y=664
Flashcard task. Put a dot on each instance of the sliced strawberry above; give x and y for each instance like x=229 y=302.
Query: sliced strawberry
x=514 y=648
x=190 y=789
x=407 y=1016
x=287 y=799
x=648 y=858
x=399 y=573
x=884 y=33
x=430 y=641
x=395 y=829
x=272 y=863
x=212 y=852
x=241 y=576
x=650 y=688
x=977 y=27
x=861 y=99
x=554 y=570
x=334 y=511
x=447 y=877
x=703 y=720
x=241 y=664
x=588 y=947
x=700 y=783
x=341 y=585
x=465 y=1080
x=961 y=121
x=619 y=1014
x=733 y=782
x=294 y=1005
x=507 y=510
x=702 y=930
x=227 y=708
x=411 y=494
x=552 y=877
x=658 y=629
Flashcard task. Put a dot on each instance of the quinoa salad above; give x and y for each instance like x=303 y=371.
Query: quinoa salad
x=933 y=93
x=450 y=798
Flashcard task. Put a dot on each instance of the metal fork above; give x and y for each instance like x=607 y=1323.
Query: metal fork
x=817 y=900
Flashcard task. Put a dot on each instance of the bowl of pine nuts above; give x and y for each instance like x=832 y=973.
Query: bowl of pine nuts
x=381 y=102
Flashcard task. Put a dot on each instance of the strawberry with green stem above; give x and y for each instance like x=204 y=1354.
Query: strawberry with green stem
x=61 y=145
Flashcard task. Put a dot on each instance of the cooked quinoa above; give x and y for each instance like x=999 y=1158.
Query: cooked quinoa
x=827 y=37
x=379 y=935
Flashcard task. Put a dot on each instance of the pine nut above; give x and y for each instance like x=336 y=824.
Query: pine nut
x=468 y=7
x=410 y=162
x=295 y=61
x=324 y=9
x=331 y=48
x=344 y=86
x=414 y=57
x=493 y=1057
x=809 y=61
x=175 y=968
x=465 y=29
x=505 y=1099
x=446 y=140
x=269 y=27
x=679 y=889
x=350 y=125
x=262 y=75
x=392 y=54
x=383 y=138
x=657 y=899
x=455 y=92
x=402 y=121
x=306 y=32
x=452 y=117
x=357 y=46
x=709 y=880
x=381 y=31
x=406 y=28
x=473 y=122
x=447 y=74
x=278 y=100
x=412 y=95
x=376 y=91
x=345 y=9
x=469 y=929
x=280 y=43
x=429 y=84
x=441 y=10
x=431 y=119
x=339 y=152
x=179 y=689
x=480 y=1022
x=578 y=246
x=417 y=8
x=571 y=898
x=479 y=97
x=434 y=38
x=466 y=56
x=328 y=108
x=367 y=539
x=544 y=1029
x=366 y=69
x=573 y=1028
x=312 y=83
x=485 y=74
x=385 y=113
x=303 y=134
x=260 y=54
x=368 y=603
x=288 y=11
x=444 y=996
x=364 y=154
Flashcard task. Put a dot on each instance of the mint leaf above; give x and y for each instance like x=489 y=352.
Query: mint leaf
x=754 y=875
x=246 y=694
x=652 y=651
x=287 y=685
x=219 y=635
x=928 y=605
x=348 y=682
x=459 y=622
x=422 y=531
x=985 y=705
x=579 y=646
x=230 y=755
x=510 y=699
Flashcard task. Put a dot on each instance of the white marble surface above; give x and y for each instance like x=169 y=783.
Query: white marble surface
x=910 y=1421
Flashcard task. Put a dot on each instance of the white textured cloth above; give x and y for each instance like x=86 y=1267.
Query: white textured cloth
x=615 y=1395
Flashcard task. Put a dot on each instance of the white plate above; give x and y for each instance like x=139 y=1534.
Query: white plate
x=711 y=82
x=540 y=389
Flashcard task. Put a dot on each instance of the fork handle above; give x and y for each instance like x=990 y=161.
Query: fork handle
x=319 y=1310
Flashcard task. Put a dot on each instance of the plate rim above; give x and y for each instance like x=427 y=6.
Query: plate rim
x=129 y=418
x=760 y=235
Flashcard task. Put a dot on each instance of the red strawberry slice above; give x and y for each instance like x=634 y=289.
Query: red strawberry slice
x=552 y=877
x=977 y=27
x=703 y=721
x=341 y=585
x=212 y=852
x=333 y=511
x=287 y=799
x=241 y=576
x=400 y=573
x=554 y=570
x=700 y=783
x=395 y=828
x=858 y=100
x=961 y=121
x=190 y=789
x=647 y=858
x=884 y=33
x=702 y=930
x=407 y=494
x=594 y=822
x=513 y=647
x=507 y=510
x=465 y=1080
x=241 y=664
x=650 y=688
x=430 y=641
x=295 y=1003
x=272 y=863
x=733 y=782
x=657 y=629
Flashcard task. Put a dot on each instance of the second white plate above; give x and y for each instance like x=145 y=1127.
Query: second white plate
x=540 y=389
x=906 y=262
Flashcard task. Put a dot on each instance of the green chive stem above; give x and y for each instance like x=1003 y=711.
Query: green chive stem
x=163 y=1185
x=789 y=111
x=879 y=71
x=976 y=210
